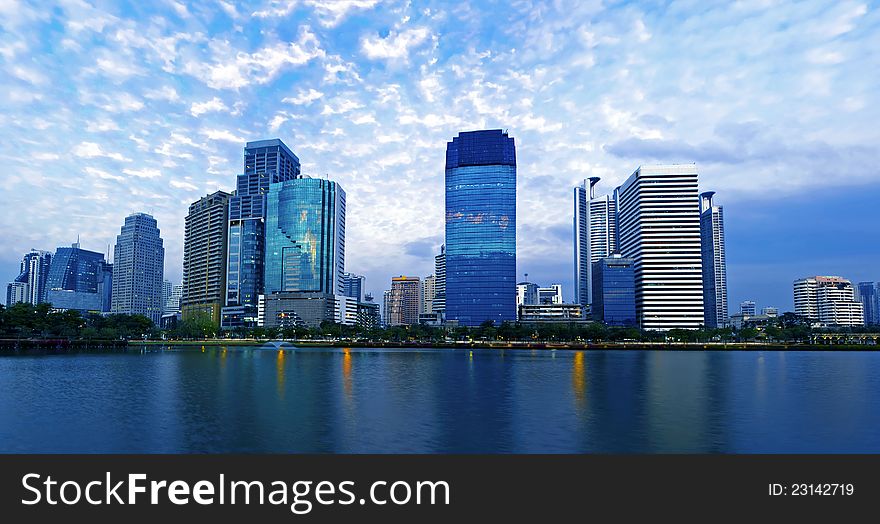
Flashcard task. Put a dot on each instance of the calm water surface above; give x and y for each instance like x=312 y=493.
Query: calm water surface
x=396 y=401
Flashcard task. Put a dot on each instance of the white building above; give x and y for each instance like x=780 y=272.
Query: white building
x=16 y=292
x=429 y=290
x=659 y=228
x=594 y=235
x=828 y=299
x=550 y=295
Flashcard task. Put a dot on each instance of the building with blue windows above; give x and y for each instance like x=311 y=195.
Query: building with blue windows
x=614 y=291
x=265 y=162
x=714 y=262
x=481 y=228
x=139 y=268
x=79 y=280
x=305 y=250
x=868 y=296
x=353 y=286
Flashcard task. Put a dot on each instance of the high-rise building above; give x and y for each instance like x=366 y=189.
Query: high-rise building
x=659 y=228
x=550 y=295
x=429 y=289
x=830 y=300
x=614 y=291
x=138 y=268
x=403 y=301
x=439 y=303
x=305 y=251
x=265 y=162
x=770 y=311
x=748 y=307
x=79 y=280
x=595 y=235
x=354 y=286
x=526 y=293
x=172 y=304
x=386 y=307
x=34 y=273
x=868 y=297
x=481 y=228
x=205 y=250
x=167 y=286
x=714 y=262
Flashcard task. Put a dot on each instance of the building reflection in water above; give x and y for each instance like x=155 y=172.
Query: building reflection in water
x=279 y=373
x=346 y=374
x=579 y=379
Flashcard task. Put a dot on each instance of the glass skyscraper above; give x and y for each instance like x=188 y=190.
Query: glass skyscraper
x=79 y=279
x=138 y=268
x=614 y=291
x=265 y=162
x=868 y=296
x=595 y=235
x=305 y=237
x=714 y=262
x=481 y=228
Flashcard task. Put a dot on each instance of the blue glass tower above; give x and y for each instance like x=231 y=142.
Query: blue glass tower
x=614 y=291
x=265 y=162
x=481 y=228
x=80 y=280
x=305 y=237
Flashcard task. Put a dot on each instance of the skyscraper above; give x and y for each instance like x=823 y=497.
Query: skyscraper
x=868 y=298
x=79 y=280
x=404 y=301
x=614 y=299
x=830 y=300
x=429 y=289
x=205 y=249
x=439 y=304
x=305 y=253
x=481 y=228
x=595 y=235
x=659 y=228
x=353 y=286
x=30 y=284
x=265 y=162
x=138 y=268
x=714 y=262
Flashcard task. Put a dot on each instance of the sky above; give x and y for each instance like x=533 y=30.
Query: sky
x=110 y=108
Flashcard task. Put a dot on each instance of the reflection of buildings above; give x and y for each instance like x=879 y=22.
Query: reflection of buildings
x=79 y=280
x=480 y=228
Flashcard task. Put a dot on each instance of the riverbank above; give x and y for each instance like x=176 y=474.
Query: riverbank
x=714 y=346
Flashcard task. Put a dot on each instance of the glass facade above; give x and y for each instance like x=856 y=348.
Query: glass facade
x=870 y=303
x=481 y=228
x=265 y=162
x=305 y=237
x=79 y=279
x=614 y=291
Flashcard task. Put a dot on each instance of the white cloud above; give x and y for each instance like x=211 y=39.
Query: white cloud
x=330 y=12
x=222 y=135
x=29 y=75
x=304 y=97
x=93 y=150
x=341 y=105
x=143 y=173
x=395 y=46
x=181 y=184
x=367 y=118
x=100 y=173
x=102 y=125
x=213 y=105
x=824 y=56
x=167 y=93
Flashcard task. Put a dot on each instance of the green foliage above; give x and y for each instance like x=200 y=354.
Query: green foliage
x=40 y=321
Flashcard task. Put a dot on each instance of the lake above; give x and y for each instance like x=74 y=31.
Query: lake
x=334 y=400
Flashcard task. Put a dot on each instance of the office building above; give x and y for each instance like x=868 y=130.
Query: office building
x=368 y=314
x=33 y=273
x=429 y=289
x=138 y=268
x=550 y=295
x=659 y=228
x=172 y=304
x=306 y=309
x=265 y=162
x=748 y=307
x=481 y=228
x=714 y=262
x=595 y=235
x=868 y=296
x=16 y=292
x=439 y=302
x=167 y=286
x=354 y=286
x=526 y=293
x=403 y=301
x=614 y=291
x=828 y=300
x=552 y=313
x=770 y=311
x=205 y=252
x=79 y=280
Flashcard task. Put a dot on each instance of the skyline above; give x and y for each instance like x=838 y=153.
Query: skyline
x=599 y=72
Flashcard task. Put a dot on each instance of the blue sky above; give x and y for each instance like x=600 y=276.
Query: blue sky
x=111 y=108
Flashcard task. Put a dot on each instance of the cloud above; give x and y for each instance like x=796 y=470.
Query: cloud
x=182 y=184
x=213 y=105
x=304 y=97
x=329 y=12
x=395 y=46
x=222 y=135
x=93 y=150
x=144 y=172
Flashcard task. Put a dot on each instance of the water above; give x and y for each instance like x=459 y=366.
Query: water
x=397 y=401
